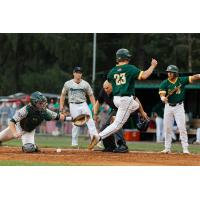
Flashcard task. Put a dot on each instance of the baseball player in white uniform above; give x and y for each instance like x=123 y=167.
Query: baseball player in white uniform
x=76 y=89
x=172 y=93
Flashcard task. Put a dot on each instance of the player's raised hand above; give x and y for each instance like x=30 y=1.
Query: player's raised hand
x=154 y=62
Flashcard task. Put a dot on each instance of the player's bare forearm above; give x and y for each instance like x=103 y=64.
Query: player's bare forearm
x=14 y=130
x=141 y=110
x=195 y=77
x=92 y=99
x=62 y=101
x=96 y=107
x=12 y=127
x=150 y=70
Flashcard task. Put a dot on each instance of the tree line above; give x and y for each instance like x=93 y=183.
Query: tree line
x=43 y=62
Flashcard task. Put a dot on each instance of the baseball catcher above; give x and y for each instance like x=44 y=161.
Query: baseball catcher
x=24 y=122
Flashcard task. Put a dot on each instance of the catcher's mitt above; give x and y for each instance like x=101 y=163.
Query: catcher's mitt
x=142 y=124
x=81 y=120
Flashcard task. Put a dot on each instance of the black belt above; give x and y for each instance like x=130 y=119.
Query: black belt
x=76 y=102
x=174 y=104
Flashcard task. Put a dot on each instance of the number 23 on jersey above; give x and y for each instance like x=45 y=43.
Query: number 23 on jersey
x=120 y=79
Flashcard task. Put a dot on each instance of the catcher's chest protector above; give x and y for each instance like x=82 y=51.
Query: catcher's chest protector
x=32 y=120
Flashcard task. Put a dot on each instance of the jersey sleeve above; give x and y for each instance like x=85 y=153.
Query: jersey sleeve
x=88 y=89
x=50 y=115
x=163 y=88
x=20 y=114
x=185 y=80
x=65 y=89
x=137 y=72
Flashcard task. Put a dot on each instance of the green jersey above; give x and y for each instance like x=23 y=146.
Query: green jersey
x=167 y=86
x=123 y=78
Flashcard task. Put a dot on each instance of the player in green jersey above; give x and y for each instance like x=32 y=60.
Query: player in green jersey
x=172 y=93
x=122 y=77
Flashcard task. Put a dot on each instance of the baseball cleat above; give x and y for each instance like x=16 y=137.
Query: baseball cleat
x=95 y=140
x=166 y=151
x=185 y=151
x=121 y=149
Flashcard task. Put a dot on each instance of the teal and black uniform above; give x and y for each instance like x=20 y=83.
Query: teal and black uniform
x=29 y=118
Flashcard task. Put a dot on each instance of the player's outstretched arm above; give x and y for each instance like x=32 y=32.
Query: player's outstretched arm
x=62 y=101
x=12 y=127
x=195 y=77
x=149 y=71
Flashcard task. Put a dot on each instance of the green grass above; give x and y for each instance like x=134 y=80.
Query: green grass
x=27 y=163
x=65 y=142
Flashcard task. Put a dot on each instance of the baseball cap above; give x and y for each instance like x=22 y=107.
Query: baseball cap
x=77 y=69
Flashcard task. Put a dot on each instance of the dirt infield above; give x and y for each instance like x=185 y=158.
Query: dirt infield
x=85 y=157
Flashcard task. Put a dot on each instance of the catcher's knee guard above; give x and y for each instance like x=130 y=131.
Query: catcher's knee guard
x=30 y=148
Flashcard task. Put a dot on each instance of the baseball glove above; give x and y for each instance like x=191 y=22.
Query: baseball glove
x=142 y=124
x=81 y=120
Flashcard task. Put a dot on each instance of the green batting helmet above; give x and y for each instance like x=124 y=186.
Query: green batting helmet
x=123 y=54
x=172 y=68
x=38 y=97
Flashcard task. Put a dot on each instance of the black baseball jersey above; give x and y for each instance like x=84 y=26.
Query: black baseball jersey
x=29 y=118
x=108 y=99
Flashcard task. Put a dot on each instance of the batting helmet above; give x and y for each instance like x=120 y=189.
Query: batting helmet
x=123 y=54
x=38 y=100
x=172 y=68
x=29 y=148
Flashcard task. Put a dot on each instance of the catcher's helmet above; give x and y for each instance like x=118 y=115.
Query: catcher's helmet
x=123 y=54
x=38 y=100
x=172 y=68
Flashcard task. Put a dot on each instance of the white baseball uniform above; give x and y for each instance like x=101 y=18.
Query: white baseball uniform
x=76 y=93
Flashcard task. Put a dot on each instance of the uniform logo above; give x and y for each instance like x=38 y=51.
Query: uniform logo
x=119 y=70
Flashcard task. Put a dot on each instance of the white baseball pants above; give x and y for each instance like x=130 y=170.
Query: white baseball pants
x=159 y=129
x=76 y=110
x=126 y=105
x=198 y=135
x=178 y=113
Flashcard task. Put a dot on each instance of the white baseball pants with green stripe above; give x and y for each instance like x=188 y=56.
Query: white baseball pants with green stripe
x=178 y=113
x=126 y=105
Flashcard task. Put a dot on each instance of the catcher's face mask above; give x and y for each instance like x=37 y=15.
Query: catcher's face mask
x=41 y=105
